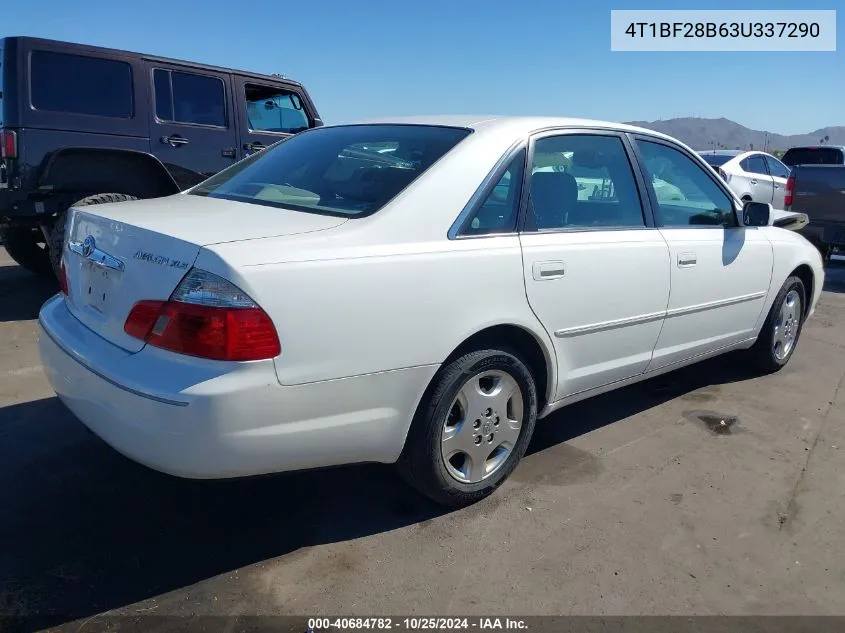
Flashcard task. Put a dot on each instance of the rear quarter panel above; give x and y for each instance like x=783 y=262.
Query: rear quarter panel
x=374 y=308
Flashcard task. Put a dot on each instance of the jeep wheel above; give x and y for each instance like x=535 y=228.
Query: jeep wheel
x=28 y=248
x=57 y=237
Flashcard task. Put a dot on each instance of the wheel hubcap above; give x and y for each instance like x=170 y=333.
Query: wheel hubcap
x=786 y=325
x=482 y=427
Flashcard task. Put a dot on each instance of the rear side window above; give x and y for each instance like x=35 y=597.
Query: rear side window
x=189 y=98
x=754 y=165
x=813 y=156
x=276 y=110
x=351 y=170
x=78 y=84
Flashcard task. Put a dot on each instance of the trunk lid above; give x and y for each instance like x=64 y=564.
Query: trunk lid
x=119 y=254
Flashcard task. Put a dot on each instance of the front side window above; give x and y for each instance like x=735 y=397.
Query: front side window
x=498 y=212
x=754 y=165
x=274 y=110
x=777 y=168
x=686 y=194
x=582 y=181
x=189 y=98
x=340 y=170
x=78 y=84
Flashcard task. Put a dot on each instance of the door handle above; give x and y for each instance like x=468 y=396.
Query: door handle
x=753 y=181
x=686 y=260
x=228 y=152
x=174 y=140
x=777 y=186
x=543 y=271
x=255 y=146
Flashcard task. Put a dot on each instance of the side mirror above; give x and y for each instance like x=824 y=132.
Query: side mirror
x=756 y=214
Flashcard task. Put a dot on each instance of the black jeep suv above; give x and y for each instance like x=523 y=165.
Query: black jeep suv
x=84 y=125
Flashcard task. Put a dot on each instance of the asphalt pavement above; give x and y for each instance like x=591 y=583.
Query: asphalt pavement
x=707 y=491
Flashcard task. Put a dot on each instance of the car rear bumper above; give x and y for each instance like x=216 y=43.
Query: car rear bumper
x=201 y=419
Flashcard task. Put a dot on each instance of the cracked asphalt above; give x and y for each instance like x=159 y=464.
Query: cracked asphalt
x=707 y=491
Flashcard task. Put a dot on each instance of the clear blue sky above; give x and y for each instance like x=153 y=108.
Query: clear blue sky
x=366 y=58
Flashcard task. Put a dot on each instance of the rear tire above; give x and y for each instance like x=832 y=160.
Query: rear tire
x=779 y=336
x=57 y=236
x=28 y=248
x=485 y=402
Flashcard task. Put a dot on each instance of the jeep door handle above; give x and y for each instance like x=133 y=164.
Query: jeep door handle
x=174 y=140
x=255 y=146
x=753 y=181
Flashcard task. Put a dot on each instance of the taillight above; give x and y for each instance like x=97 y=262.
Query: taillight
x=8 y=144
x=725 y=175
x=206 y=316
x=787 y=194
x=63 y=277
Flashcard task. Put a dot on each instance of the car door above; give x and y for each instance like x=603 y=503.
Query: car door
x=780 y=174
x=720 y=271
x=761 y=186
x=596 y=270
x=192 y=130
x=267 y=113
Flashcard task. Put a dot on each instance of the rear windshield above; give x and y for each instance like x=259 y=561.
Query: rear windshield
x=813 y=156
x=716 y=160
x=348 y=171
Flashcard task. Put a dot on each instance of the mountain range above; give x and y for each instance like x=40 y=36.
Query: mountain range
x=703 y=134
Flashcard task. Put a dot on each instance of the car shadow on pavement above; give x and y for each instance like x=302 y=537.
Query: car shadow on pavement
x=591 y=414
x=22 y=293
x=85 y=530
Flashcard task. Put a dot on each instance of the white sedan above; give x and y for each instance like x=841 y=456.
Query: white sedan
x=751 y=175
x=324 y=303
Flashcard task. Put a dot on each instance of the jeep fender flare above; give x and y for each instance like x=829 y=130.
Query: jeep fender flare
x=88 y=170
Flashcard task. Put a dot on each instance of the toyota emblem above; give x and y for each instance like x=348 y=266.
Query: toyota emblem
x=88 y=246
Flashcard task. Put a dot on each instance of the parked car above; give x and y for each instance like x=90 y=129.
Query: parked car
x=815 y=155
x=818 y=191
x=310 y=307
x=752 y=175
x=85 y=125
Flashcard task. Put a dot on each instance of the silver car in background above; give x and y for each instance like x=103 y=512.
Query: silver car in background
x=752 y=175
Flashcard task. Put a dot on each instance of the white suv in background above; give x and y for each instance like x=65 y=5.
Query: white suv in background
x=756 y=176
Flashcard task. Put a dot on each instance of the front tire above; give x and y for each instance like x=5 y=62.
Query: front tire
x=471 y=429
x=779 y=336
x=57 y=236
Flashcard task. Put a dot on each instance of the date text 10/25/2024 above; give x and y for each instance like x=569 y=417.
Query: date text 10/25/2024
x=338 y=624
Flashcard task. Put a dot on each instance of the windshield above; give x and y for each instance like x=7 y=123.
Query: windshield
x=813 y=156
x=351 y=170
x=715 y=160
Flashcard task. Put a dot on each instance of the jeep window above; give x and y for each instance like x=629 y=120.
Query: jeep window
x=78 y=84
x=274 y=110
x=334 y=170
x=189 y=98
